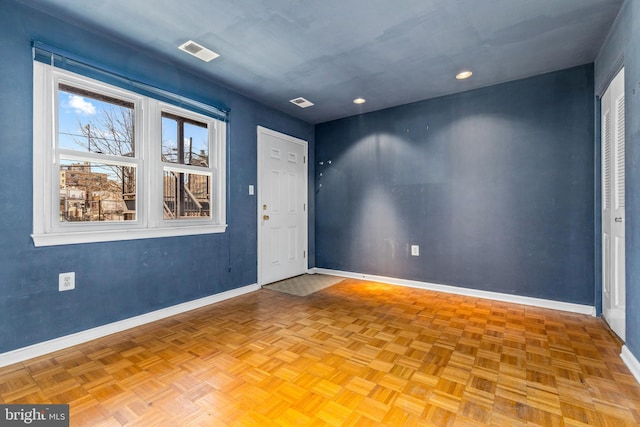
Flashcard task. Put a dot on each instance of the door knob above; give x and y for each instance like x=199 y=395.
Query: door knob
x=618 y=219
x=265 y=217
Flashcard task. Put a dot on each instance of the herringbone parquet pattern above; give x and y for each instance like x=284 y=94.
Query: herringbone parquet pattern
x=355 y=354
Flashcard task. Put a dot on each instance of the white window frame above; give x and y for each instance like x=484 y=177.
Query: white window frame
x=216 y=132
x=149 y=222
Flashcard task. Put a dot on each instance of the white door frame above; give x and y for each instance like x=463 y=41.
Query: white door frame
x=261 y=153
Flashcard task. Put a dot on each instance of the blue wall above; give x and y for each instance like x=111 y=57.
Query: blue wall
x=122 y=279
x=622 y=47
x=496 y=186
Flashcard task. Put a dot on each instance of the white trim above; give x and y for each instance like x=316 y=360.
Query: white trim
x=42 y=152
x=55 y=239
x=632 y=363
x=265 y=131
x=46 y=347
x=497 y=296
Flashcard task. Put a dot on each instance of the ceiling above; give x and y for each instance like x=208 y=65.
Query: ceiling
x=332 y=51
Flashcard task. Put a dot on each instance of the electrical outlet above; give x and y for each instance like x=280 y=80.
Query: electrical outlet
x=415 y=250
x=66 y=281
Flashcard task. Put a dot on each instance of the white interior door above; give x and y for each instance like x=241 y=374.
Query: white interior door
x=282 y=206
x=613 y=200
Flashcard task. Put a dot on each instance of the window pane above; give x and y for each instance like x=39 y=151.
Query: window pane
x=194 y=135
x=169 y=138
x=91 y=122
x=96 y=192
x=196 y=139
x=186 y=195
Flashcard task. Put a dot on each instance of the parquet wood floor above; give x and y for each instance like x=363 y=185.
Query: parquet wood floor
x=356 y=354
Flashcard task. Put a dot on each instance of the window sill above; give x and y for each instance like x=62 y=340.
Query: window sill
x=55 y=239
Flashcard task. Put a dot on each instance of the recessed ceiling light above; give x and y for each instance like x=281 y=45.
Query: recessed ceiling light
x=359 y=101
x=301 y=102
x=463 y=75
x=199 y=51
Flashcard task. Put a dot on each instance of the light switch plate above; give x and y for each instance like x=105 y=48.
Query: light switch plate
x=415 y=250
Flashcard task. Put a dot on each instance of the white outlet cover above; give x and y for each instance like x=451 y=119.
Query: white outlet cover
x=66 y=281
x=251 y=190
x=415 y=250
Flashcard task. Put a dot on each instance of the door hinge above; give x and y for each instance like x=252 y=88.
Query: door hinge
x=304 y=206
x=304 y=159
x=304 y=254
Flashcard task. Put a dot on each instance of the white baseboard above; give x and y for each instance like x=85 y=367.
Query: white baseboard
x=40 y=349
x=536 y=302
x=630 y=360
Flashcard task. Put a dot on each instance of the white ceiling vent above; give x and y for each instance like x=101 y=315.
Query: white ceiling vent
x=198 y=51
x=301 y=102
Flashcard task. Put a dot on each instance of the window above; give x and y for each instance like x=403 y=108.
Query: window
x=186 y=191
x=111 y=164
x=90 y=125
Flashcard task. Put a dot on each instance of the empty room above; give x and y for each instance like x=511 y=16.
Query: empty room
x=292 y=213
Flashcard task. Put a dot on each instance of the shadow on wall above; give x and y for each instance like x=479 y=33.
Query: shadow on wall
x=494 y=185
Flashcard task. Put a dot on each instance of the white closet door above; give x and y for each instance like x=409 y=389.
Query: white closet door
x=613 y=202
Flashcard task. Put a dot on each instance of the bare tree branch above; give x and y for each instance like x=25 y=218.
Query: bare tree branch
x=113 y=133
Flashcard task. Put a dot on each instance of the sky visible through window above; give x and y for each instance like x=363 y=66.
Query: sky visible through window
x=93 y=125
x=196 y=142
